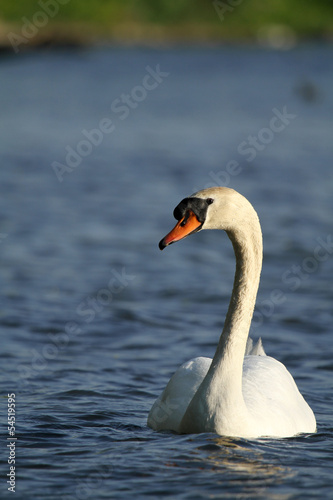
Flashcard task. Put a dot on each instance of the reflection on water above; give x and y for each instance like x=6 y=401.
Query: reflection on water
x=236 y=467
x=244 y=458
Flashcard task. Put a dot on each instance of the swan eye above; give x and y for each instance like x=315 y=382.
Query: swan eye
x=209 y=201
x=187 y=215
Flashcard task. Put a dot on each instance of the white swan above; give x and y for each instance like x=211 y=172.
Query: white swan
x=241 y=392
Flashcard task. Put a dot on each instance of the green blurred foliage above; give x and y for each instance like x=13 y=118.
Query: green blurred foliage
x=230 y=18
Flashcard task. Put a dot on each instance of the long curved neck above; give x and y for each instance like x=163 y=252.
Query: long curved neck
x=248 y=253
x=227 y=364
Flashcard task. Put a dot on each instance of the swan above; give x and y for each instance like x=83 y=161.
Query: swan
x=241 y=392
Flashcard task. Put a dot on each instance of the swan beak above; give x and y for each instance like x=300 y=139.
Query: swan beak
x=187 y=225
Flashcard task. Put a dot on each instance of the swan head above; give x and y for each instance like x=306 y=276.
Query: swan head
x=213 y=208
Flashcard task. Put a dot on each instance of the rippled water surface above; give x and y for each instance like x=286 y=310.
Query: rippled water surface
x=94 y=318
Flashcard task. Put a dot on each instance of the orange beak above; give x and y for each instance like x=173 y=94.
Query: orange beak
x=187 y=225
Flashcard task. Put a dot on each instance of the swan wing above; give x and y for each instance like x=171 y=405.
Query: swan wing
x=273 y=399
x=168 y=410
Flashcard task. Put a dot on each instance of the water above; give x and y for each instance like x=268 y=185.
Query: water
x=95 y=319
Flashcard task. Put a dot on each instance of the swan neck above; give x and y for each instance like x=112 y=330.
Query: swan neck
x=248 y=252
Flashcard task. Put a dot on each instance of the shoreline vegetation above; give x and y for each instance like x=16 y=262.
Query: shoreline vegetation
x=31 y=24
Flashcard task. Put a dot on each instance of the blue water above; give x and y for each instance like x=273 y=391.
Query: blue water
x=95 y=319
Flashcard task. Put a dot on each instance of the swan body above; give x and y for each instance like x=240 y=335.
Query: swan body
x=241 y=391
